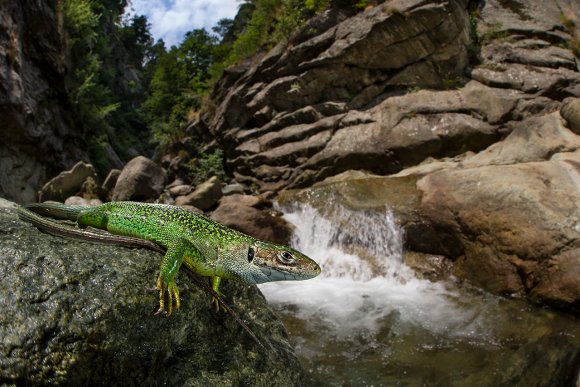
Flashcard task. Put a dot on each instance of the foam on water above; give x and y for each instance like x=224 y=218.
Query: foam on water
x=364 y=280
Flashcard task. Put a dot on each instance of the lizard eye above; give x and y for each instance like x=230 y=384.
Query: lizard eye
x=251 y=254
x=286 y=257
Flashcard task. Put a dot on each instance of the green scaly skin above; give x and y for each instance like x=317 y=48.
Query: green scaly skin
x=207 y=248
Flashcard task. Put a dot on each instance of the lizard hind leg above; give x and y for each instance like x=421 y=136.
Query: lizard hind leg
x=215 y=282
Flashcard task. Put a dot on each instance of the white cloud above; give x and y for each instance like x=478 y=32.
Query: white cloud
x=171 y=19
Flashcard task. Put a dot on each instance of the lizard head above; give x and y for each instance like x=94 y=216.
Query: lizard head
x=260 y=262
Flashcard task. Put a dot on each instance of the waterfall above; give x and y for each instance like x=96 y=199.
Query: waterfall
x=364 y=280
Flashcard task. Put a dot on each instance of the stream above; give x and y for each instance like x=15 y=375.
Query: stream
x=367 y=320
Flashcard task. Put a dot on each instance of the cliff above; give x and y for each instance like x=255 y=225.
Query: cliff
x=40 y=135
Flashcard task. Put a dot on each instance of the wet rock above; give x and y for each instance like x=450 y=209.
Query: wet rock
x=245 y=213
x=204 y=197
x=67 y=183
x=511 y=229
x=77 y=313
x=428 y=266
x=140 y=180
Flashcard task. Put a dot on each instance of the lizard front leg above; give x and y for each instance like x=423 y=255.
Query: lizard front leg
x=177 y=251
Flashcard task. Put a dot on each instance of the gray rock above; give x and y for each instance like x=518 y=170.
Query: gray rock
x=180 y=190
x=111 y=180
x=534 y=139
x=205 y=196
x=549 y=82
x=234 y=188
x=80 y=201
x=307 y=86
x=40 y=135
x=141 y=179
x=77 y=313
x=570 y=111
x=67 y=183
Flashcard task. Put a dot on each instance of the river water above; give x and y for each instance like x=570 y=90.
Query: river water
x=367 y=320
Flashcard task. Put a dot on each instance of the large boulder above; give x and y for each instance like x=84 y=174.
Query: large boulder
x=204 y=197
x=141 y=179
x=250 y=215
x=77 y=313
x=67 y=183
x=511 y=228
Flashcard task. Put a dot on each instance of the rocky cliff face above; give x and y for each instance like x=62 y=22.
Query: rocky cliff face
x=39 y=135
x=320 y=105
x=390 y=86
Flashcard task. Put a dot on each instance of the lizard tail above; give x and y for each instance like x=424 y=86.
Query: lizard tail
x=55 y=210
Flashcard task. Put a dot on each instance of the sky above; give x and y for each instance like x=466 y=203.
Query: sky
x=171 y=19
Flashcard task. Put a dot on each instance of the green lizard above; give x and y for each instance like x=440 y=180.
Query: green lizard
x=205 y=247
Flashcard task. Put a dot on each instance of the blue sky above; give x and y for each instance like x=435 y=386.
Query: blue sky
x=171 y=19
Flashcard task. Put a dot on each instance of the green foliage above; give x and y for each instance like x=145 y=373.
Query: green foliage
x=205 y=166
x=106 y=82
x=272 y=21
x=178 y=85
x=361 y=3
x=317 y=5
x=81 y=22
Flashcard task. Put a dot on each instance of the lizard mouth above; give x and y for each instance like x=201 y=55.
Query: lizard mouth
x=279 y=274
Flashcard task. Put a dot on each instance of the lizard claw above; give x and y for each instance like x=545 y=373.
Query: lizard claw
x=172 y=295
x=216 y=303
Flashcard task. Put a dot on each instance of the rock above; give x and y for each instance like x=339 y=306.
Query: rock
x=176 y=182
x=427 y=266
x=40 y=135
x=548 y=82
x=243 y=213
x=509 y=224
x=570 y=112
x=67 y=183
x=111 y=180
x=403 y=131
x=87 y=304
x=80 y=201
x=534 y=139
x=205 y=196
x=286 y=108
x=234 y=188
x=180 y=190
x=140 y=180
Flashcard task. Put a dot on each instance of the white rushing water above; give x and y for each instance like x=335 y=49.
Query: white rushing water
x=364 y=280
